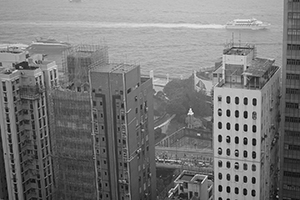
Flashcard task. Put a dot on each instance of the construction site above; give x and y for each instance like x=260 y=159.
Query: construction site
x=72 y=140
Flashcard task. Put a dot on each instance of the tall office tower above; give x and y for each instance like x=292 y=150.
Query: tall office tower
x=122 y=103
x=290 y=137
x=71 y=128
x=24 y=125
x=246 y=101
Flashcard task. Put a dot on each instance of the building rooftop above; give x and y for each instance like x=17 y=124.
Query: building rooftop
x=259 y=67
x=240 y=51
x=112 y=68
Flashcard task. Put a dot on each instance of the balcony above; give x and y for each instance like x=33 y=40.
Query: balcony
x=31 y=92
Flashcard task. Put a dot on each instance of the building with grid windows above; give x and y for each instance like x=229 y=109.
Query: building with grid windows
x=122 y=106
x=24 y=124
x=245 y=130
x=290 y=137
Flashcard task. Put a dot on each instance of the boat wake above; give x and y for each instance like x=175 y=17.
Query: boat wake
x=84 y=24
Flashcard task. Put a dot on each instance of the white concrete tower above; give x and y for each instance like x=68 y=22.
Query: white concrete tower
x=245 y=129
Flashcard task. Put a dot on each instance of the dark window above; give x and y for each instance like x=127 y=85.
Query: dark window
x=245 y=154
x=228 y=126
x=253 y=180
x=228 y=164
x=236 y=178
x=228 y=152
x=236 y=139
x=245 y=179
x=220 y=188
x=245 y=141
x=253 y=193
x=254 y=102
x=253 y=167
x=245 y=127
x=245 y=166
x=220 y=176
x=245 y=191
x=254 y=115
x=219 y=98
x=237 y=127
x=220 y=125
x=220 y=163
x=228 y=139
x=220 y=112
x=254 y=142
x=237 y=100
x=236 y=190
x=236 y=153
x=245 y=114
x=220 y=151
x=228 y=113
x=254 y=129
x=228 y=189
x=253 y=154
x=237 y=114
x=236 y=165
x=220 y=138
x=245 y=101
x=228 y=99
x=228 y=177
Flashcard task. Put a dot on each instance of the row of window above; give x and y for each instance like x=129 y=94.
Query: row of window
x=228 y=153
x=295 y=47
x=236 y=140
x=292 y=105
x=236 y=178
x=293 y=76
x=236 y=126
x=292 y=119
x=292 y=91
x=293 y=62
x=237 y=100
x=236 y=191
x=237 y=114
x=236 y=166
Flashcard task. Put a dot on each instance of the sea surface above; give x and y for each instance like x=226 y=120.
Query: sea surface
x=168 y=36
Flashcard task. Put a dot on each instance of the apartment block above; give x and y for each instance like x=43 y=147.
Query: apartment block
x=122 y=117
x=246 y=125
x=24 y=124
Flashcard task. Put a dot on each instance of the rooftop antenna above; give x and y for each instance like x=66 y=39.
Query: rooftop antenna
x=232 y=39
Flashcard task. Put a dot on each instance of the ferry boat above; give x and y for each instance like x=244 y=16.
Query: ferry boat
x=250 y=24
x=48 y=44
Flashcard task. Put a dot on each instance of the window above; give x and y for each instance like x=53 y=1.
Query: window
x=254 y=115
x=220 y=125
x=236 y=178
x=253 y=180
x=228 y=139
x=220 y=151
x=219 y=98
x=245 y=179
x=254 y=102
x=237 y=100
x=237 y=114
x=245 y=114
x=245 y=154
x=220 y=176
x=236 y=139
x=245 y=141
x=236 y=153
x=245 y=191
x=228 y=113
x=220 y=138
x=220 y=112
x=245 y=101
x=254 y=129
x=228 y=152
x=228 y=189
x=228 y=126
x=236 y=190
x=228 y=177
x=254 y=167
x=253 y=193
x=228 y=164
x=253 y=154
x=228 y=99
x=236 y=165
x=254 y=142
x=245 y=127
x=220 y=188
x=245 y=166
x=220 y=163
x=237 y=127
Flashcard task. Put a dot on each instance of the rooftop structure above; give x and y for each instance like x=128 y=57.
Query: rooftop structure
x=191 y=185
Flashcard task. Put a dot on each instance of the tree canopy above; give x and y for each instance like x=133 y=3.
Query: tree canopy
x=183 y=96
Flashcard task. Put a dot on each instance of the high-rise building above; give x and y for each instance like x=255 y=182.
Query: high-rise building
x=290 y=137
x=24 y=124
x=245 y=130
x=71 y=127
x=122 y=105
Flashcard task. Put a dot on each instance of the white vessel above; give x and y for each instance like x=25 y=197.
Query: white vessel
x=48 y=44
x=251 y=24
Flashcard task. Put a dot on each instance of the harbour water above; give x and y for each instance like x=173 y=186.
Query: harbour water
x=167 y=36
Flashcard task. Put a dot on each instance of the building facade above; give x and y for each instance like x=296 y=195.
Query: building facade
x=24 y=124
x=245 y=130
x=290 y=137
x=122 y=104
